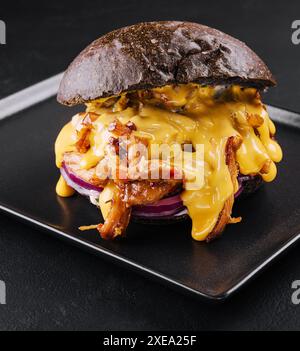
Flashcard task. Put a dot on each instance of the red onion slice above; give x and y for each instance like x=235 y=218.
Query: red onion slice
x=158 y=215
x=170 y=206
x=173 y=206
x=78 y=184
x=165 y=207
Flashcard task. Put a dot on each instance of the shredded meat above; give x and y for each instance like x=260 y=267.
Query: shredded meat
x=118 y=218
x=255 y=120
x=128 y=194
x=266 y=167
x=120 y=129
x=83 y=142
x=72 y=160
x=233 y=143
x=145 y=192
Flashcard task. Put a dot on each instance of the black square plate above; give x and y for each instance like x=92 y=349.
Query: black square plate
x=271 y=217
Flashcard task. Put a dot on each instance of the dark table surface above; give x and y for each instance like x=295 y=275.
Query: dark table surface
x=51 y=285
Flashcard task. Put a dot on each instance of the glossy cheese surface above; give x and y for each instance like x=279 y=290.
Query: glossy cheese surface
x=194 y=115
x=63 y=189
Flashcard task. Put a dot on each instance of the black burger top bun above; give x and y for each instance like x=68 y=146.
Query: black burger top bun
x=153 y=54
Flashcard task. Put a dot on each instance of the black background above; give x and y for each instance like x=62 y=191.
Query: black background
x=51 y=285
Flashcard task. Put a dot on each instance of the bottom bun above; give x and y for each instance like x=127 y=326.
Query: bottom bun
x=250 y=186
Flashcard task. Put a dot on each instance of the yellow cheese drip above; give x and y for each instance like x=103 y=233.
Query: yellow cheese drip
x=63 y=189
x=204 y=120
x=65 y=142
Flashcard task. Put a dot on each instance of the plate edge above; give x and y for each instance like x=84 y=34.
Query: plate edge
x=47 y=88
x=29 y=96
x=161 y=278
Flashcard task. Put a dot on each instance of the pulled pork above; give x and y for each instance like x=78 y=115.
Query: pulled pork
x=128 y=194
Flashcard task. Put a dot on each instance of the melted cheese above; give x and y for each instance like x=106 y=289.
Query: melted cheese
x=205 y=119
x=65 y=142
x=105 y=199
x=63 y=189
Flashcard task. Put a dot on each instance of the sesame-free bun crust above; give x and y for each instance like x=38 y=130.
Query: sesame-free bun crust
x=152 y=54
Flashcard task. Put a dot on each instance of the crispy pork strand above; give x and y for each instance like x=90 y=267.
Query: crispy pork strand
x=118 y=217
x=83 y=142
x=232 y=145
x=128 y=194
x=146 y=192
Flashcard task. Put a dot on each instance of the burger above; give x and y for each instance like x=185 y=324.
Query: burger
x=171 y=85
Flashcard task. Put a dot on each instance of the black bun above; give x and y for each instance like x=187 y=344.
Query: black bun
x=152 y=54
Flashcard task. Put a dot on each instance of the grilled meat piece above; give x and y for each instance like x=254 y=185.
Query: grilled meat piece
x=128 y=194
x=118 y=218
x=146 y=192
